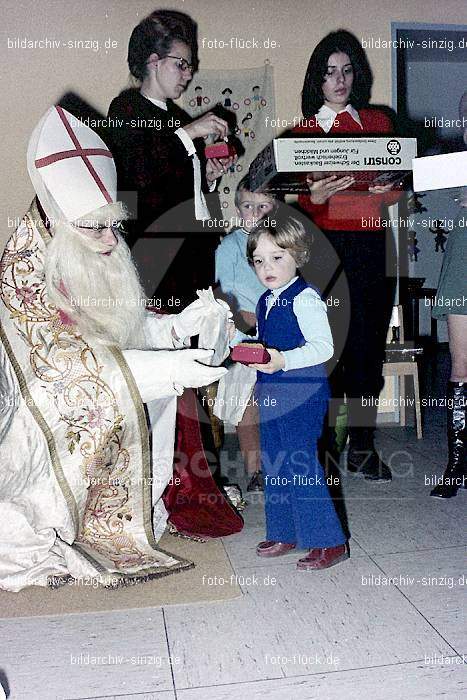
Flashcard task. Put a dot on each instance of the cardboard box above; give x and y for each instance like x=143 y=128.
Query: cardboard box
x=440 y=172
x=284 y=164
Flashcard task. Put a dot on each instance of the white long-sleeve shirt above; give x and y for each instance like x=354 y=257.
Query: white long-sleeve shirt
x=201 y=208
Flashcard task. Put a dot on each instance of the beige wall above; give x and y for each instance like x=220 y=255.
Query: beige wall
x=35 y=78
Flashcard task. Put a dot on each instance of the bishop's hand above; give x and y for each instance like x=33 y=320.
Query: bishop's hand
x=162 y=373
x=188 y=322
x=190 y=372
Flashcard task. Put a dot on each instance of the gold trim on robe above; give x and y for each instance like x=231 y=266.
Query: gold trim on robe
x=85 y=401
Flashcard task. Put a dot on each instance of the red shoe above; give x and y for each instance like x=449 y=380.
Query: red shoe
x=314 y=553
x=273 y=549
x=324 y=558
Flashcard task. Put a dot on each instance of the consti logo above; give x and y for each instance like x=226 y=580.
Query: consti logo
x=389 y=160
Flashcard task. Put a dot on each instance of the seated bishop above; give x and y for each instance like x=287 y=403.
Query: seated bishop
x=90 y=381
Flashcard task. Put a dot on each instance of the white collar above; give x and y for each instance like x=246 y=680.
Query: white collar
x=158 y=103
x=279 y=290
x=326 y=116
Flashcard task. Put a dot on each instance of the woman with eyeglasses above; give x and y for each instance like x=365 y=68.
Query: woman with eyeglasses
x=158 y=150
x=335 y=102
x=166 y=182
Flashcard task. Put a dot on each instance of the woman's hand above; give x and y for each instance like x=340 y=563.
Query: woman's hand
x=276 y=362
x=215 y=168
x=321 y=190
x=380 y=189
x=205 y=125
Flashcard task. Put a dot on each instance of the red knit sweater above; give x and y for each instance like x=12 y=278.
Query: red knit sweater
x=350 y=210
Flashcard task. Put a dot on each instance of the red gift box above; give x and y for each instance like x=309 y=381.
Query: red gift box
x=222 y=149
x=247 y=353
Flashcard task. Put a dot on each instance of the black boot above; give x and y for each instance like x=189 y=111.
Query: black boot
x=363 y=458
x=455 y=474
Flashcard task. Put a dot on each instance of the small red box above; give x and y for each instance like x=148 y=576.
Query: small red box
x=222 y=149
x=247 y=353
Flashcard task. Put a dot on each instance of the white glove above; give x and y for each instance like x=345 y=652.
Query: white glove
x=188 y=322
x=190 y=373
x=162 y=373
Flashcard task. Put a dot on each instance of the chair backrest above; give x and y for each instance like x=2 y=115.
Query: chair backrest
x=397 y=322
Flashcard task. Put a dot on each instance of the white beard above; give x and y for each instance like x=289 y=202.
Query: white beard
x=101 y=294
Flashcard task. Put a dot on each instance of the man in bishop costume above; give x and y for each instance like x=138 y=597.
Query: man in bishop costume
x=90 y=381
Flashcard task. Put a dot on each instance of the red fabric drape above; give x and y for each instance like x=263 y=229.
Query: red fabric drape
x=196 y=506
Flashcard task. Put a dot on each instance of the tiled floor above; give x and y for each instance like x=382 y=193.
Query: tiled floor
x=387 y=624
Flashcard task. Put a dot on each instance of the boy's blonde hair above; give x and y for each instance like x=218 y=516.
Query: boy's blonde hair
x=245 y=186
x=288 y=233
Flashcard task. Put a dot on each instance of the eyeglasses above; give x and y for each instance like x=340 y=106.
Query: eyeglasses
x=116 y=226
x=182 y=64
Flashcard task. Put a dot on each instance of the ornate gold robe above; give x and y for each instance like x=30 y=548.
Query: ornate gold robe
x=77 y=491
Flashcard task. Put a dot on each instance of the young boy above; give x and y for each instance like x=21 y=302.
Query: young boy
x=292 y=394
x=241 y=289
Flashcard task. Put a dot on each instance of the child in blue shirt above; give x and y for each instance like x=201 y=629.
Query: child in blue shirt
x=292 y=394
x=241 y=288
x=239 y=284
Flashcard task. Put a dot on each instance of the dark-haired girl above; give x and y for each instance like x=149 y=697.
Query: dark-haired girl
x=335 y=98
x=158 y=151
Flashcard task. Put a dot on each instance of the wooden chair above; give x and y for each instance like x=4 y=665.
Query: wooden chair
x=401 y=362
